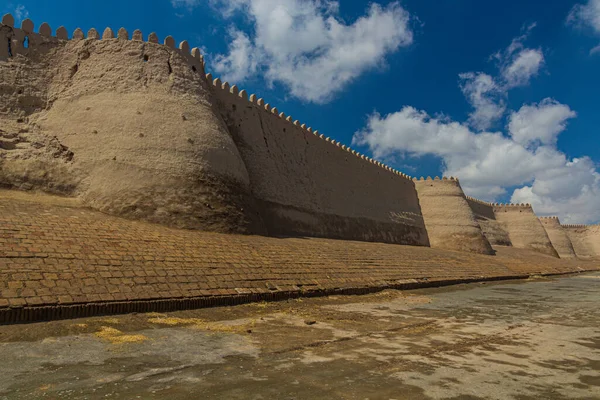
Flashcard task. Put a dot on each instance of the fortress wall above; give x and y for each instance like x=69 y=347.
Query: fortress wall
x=128 y=125
x=310 y=185
x=492 y=230
x=585 y=240
x=559 y=238
x=524 y=228
x=450 y=223
x=134 y=128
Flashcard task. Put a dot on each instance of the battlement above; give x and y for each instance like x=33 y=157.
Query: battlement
x=25 y=38
x=511 y=206
x=473 y=199
x=254 y=101
x=550 y=220
x=437 y=178
x=580 y=226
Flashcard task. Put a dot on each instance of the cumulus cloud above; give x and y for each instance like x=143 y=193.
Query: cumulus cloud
x=570 y=192
x=539 y=123
x=487 y=94
x=489 y=162
x=306 y=46
x=587 y=16
x=241 y=62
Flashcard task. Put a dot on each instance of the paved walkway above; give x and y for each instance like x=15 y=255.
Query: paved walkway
x=54 y=252
x=534 y=339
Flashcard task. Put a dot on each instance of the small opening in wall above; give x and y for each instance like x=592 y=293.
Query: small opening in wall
x=146 y=58
x=26 y=42
x=194 y=68
x=10 y=54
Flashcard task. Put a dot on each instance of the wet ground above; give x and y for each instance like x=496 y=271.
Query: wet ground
x=535 y=339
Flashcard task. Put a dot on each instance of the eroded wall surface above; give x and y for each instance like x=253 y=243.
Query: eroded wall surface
x=559 y=238
x=524 y=228
x=492 y=230
x=450 y=222
x=585 y=240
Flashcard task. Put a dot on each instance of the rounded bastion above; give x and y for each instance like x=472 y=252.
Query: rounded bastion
x=524 y=228
x=129 y=126
x=449 y=220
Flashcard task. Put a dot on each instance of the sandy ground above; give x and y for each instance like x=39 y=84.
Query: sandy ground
x=535 y=339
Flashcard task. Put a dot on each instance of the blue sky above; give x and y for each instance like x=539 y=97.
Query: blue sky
x=503 y=94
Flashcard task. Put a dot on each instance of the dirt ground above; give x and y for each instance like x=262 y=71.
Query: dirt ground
x=535 y=339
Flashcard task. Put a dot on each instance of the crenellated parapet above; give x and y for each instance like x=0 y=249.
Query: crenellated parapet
x=21 y=41
x=579 y=226
x=474 y=200
x=260 y=104
x=512 y=207
x=437 y=178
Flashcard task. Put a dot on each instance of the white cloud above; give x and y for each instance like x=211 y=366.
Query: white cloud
x=484 y=94
x=305 y=45
x=488 y=163
x=21 y=13
x=587 y=16
x=241 y=60
x=539 y=123
x=523 y=66
x=487 y=94
x=571 y=192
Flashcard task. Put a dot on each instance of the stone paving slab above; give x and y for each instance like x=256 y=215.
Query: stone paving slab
x=53 y=252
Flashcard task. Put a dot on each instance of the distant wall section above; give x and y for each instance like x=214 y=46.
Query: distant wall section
x=585 y=240
x=450 y=222
x=559 y=238
x=492 y=230
x=524 y=228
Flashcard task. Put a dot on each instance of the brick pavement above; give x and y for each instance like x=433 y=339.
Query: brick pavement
x=55 y=253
